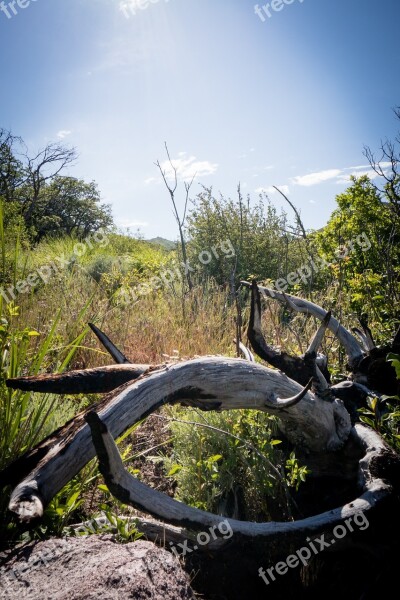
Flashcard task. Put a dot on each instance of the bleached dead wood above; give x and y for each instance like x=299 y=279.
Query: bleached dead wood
x=208 y=383
x=129 y=490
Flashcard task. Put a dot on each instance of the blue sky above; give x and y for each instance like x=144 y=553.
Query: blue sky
x=289 y=100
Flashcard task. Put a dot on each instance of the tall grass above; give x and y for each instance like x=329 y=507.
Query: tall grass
x=25 y=418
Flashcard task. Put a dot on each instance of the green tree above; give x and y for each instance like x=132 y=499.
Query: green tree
x=258 y=234
x=362 y=244
x=69 y=206
x=48 y=202
x=11 y=169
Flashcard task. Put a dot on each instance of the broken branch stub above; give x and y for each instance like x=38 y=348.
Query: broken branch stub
x=99 y=380
x=111 y=348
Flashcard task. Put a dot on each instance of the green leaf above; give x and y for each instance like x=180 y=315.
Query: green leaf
x=174 y=469
x=73 y=498
x=395 y=360
x=215 y=458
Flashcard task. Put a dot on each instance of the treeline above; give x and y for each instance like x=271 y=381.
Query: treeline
x=40 y=198
x=358 y=251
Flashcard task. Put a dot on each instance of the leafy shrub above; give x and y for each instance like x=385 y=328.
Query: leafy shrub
x=230 y=463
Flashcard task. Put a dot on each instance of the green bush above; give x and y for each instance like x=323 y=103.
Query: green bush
x=229 y=463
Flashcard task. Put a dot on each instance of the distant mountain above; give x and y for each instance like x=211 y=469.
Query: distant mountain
x=167 y=244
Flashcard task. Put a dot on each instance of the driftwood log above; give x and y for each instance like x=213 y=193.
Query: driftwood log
x=318 y=419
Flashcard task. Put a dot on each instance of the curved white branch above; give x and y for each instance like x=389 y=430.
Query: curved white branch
x=349 y=342
x=130 y=490
x=212 y=383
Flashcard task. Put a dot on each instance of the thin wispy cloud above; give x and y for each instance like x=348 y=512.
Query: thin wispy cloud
x=127 y=4
x=271 y=190
x=339 y=176
x=187 y=168
x=316 y=178
x=335 y=176
x=63 y=133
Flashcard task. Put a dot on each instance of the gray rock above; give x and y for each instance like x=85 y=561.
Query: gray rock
x=92 y=567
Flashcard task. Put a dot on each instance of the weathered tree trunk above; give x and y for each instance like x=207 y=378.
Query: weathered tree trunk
x=319 y=420
x=207 y=383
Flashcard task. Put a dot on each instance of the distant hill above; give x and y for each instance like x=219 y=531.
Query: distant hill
x=167 y=244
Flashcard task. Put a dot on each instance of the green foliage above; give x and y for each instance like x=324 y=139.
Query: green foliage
x=395 y=360
x=383 y=414
x=43 y=331
x=62 y=508
x=112 y=261
x=25 y=417
x=68 y=206
x=13 y=239
x=295 y=473
x=214 y=470
x=68 y=507
x=360 y=210
x=11 y=168
x=257 y=235
x=48 y=202
x=139 y=264
x=362 y=245
x=123 y=528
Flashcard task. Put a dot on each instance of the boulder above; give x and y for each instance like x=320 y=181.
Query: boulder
x=92 y=567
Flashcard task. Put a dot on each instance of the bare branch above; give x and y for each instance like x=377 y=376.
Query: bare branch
x=89 y=381
x=117 y=355
x=319 y=335
x=296 y=212
x=295 y=399
x=245 y=351
x=180 y=222
x=301 y=369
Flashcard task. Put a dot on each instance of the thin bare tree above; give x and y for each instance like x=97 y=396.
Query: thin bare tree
x=179 y=220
